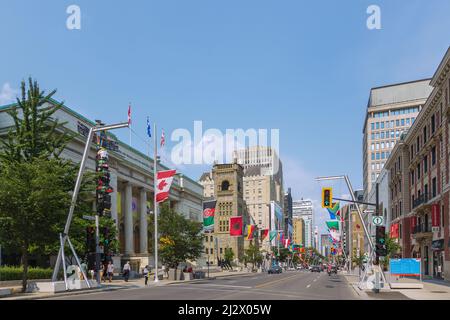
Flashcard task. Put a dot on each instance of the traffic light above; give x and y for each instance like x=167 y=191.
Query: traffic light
x=380 y=241
x=327 y=197
x=90 y=240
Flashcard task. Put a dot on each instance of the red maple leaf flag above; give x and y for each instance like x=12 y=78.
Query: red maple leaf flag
x=129 y=114
x=164 y=181
x=236 y=226
x=163 y=139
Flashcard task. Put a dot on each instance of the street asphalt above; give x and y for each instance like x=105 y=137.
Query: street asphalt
x=291 y=285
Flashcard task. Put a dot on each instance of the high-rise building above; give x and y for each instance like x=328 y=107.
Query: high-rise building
x=298 y=236
x=325 y=244
x=268 y=160
x=391 y=110
x=304 y=209
x=287 y=211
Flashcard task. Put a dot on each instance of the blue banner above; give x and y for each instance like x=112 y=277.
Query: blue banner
x=404 y=267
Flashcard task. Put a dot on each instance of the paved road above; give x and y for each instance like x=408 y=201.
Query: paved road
x=293 y=285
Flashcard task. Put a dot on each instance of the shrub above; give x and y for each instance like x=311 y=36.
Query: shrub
x=8 y=273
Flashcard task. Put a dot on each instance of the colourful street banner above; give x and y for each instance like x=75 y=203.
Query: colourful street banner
x=333 y=224
x=334 y=210
x=250 y=231
x=209 y=209
x=272 y=235
x=264 y=234
x=236 y=226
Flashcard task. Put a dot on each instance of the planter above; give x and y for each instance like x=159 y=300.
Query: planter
x=188 y=276
x=173 y=274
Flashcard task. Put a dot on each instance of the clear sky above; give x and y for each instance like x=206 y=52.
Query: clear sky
x=303 y=67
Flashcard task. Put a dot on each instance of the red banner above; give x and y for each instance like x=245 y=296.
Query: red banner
x=394 y=230
x=413 y=223
x=236 y=226
x=435 y=215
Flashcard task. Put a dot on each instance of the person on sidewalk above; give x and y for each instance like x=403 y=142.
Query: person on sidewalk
x=146 y=272
x=126 y=271
x=110 y=270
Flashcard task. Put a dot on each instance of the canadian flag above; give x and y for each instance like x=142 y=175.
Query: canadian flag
x=164 y=181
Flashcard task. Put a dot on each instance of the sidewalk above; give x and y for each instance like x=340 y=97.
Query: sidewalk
x=432 y=290
x=119 y=285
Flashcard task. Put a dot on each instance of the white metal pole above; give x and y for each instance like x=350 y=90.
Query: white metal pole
x=155 y=181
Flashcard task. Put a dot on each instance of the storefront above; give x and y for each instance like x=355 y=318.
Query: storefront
x=437 y=246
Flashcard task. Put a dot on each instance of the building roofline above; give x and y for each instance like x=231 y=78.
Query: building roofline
x=122 y=144
x=441 y=65
x=400 y=83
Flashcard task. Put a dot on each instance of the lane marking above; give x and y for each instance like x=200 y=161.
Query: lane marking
x=308 y=286
x=274 y=281
x=315 y=280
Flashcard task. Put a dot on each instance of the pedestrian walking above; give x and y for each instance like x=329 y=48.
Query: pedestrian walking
x=439 y=271
x=146 y=272
x=126 y=271
x=110 y=270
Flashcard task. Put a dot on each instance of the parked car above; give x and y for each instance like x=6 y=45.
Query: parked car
x=299 y=267
x=275 y=269
x=316 y=269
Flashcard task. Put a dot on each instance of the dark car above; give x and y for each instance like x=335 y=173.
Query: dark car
x=316 y=269
x=275 y=269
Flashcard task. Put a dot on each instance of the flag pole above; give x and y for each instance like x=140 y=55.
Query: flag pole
x=155 y=180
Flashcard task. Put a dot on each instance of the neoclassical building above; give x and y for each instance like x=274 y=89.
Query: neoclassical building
x=132 y=180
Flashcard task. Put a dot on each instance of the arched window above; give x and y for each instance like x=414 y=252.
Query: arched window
x=225 y=185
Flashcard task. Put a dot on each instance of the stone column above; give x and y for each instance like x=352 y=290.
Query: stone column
x=128 y=219
x=143 y=237
x=114 y=210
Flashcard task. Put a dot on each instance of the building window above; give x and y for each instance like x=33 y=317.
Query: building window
x=372 y=126
x=397 y=123
x=407 y=121
x=225 y=185
x=373 y=156
x=433 y=156
x=425 y=164
x=433 y=124
x=424 y=134
x=434 y=187
x=418 y=172
x=403 y=122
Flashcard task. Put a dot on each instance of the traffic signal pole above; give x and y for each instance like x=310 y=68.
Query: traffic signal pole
x=77 y=189
x=369 y=239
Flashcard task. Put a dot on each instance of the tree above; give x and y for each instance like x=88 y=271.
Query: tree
x=229 y=255
x=358 y=259
x=180 y=238
x=392 y=248
x=35 y=133
x=253 y=255
x=35 y=184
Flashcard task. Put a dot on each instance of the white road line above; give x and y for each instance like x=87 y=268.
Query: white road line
x=315 y=280
x=308 y=286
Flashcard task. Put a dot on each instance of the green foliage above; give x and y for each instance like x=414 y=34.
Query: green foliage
x=35 y=134
x=229 y=254
x=35 y=184
x=8 y=273
x=180 y=239
x=253 y=255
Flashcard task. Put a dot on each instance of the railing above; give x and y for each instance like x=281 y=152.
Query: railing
x=421 y=229
x=424 y=198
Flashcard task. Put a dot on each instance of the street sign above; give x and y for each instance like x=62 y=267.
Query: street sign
x=92 y=218
x=377 y=220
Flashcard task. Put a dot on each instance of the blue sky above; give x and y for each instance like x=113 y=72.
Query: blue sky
x=304 y=68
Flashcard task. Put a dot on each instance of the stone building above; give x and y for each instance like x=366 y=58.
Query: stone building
x=419 y=181
x=132 y=180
